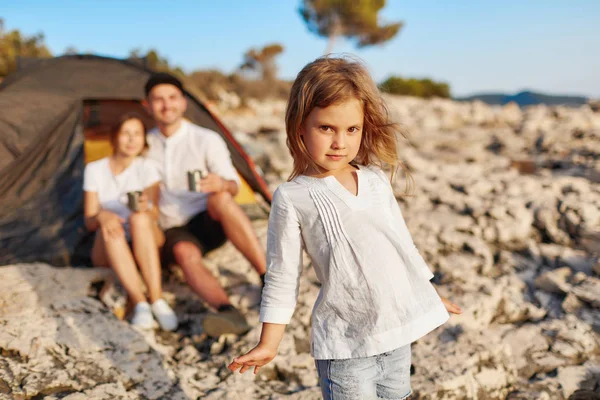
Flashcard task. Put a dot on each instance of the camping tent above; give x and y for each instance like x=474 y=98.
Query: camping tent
x=54 y=116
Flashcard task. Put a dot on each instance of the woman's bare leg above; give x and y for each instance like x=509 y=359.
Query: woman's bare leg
x=145 y=249
x=99 y=252
x=115 y=252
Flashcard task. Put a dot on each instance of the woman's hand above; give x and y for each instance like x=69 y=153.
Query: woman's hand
x=257 y=358
x=451 y=307
x=143 y=203
x=111 y=224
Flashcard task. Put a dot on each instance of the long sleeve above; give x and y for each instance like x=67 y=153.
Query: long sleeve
x=284 y=261
x=218 y=158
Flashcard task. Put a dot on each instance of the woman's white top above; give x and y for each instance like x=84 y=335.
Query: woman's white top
x=112 y=189
x=376 y=293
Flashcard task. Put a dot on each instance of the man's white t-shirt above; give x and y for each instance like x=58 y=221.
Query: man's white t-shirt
x=191 y=147
x=112 y=190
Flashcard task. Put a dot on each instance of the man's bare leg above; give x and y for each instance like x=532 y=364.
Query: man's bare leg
x=202 y=282
x=227 y=319
x=238 y=229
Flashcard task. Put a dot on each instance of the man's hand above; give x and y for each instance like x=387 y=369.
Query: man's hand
x=257 y=358
x=451 y=307
x=111 y=225
x=213 y=183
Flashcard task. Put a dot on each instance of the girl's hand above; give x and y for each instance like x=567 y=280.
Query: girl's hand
x=257 y=358
x=111 y=225
x=451 y=307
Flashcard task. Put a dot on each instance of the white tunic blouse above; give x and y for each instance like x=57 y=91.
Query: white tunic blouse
x=375 y=294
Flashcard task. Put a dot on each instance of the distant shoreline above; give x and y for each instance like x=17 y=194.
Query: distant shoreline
x=527 y=98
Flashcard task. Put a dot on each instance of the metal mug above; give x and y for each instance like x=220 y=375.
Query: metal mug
x=133 y=200
x=194 y=178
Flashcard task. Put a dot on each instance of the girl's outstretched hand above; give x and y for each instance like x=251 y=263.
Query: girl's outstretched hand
x=257 y=358
x=451 y=307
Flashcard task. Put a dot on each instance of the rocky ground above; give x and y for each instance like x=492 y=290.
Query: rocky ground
x=505 y=207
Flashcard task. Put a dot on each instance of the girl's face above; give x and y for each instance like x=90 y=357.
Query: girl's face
x=332 y=135
x=130 y=139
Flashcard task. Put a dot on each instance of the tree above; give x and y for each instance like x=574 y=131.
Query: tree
x=14 y=45
x=155 y=61
x=135 y=53
x=71 y=51
x=353 y=19
x=415 y=87
x=263 y=61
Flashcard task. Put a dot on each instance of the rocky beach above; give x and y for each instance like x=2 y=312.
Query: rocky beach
x=505 y=207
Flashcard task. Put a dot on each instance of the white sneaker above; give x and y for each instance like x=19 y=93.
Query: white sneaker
x=164 y=315
x=142 y=316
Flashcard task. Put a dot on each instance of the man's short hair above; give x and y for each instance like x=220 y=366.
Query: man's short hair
x=160 y=78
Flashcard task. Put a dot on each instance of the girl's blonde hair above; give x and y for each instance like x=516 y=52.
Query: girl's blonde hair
x=331 y=80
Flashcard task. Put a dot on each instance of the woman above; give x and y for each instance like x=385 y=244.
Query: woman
x=119 y=230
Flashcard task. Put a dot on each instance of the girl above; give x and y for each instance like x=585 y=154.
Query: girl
x=339 y=206
x=106 y=183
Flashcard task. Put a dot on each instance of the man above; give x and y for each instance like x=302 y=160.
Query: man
x=198 y=222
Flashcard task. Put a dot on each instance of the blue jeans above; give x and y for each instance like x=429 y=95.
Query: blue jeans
x=384 y=376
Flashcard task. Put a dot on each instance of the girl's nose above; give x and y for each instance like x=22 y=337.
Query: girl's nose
x=338 y=142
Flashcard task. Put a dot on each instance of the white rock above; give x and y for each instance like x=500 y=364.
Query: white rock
x=554 y=281
x=589 y=291
x=580 y=382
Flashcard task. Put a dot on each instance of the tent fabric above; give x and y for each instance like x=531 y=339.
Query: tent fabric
x=42 y=156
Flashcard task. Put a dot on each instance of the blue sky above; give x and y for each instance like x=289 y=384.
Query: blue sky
x=475 y=46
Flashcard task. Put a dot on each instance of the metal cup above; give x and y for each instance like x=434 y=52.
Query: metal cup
x=133 y=201
x=194 y=178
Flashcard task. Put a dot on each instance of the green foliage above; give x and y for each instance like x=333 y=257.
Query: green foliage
x=353 y=19
x=415 y=87
x=209 y=84
x=14 y=44
x=155 y=61
x=71 y=51
x=263 y=61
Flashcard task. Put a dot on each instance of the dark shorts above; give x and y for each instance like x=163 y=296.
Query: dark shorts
x=203 y=231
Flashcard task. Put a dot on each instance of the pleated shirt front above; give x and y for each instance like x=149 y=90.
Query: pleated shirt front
x=376 y=293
